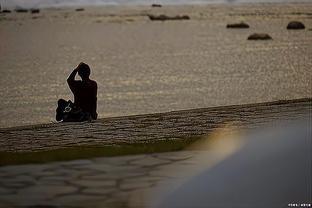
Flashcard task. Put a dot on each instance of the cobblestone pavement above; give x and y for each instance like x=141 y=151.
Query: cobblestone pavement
x=112 y=182
x=150 y=127
x=99 y=182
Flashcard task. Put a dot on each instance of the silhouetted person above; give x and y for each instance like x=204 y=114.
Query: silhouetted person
x=85 y=91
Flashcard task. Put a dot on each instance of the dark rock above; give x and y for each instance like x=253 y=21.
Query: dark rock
x=163 y=17
x=80 y=9
x=21 y=10
x=295 y=25
x=6 y=11
x=238 y=25
x=259 y=36
x=156 y=5
x=35 y=11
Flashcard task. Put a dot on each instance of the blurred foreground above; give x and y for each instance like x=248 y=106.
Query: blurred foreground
x=268 y=167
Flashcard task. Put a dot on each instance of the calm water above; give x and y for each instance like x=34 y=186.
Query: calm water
x=62 y=3
x=147 y=67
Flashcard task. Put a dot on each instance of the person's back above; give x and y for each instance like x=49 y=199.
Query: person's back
x=85 y=91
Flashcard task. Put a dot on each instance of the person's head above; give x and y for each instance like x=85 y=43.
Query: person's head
x=84 y=71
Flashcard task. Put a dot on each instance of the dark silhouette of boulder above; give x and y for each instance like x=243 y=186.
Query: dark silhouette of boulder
x=163 y=17
x=240 y=25
x=20 y=10
x=35 y=11
x=295 y=25
x=156 y=5
x=80 y=9
x=6 y=11
x=259 y=36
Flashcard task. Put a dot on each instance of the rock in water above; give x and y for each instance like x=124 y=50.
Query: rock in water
x=34 y=11
x=156 y=5
x=21 y=10
x=295 y=25
x=6 y=11
x=241 y=25
x=163 y=17
x=259 y=36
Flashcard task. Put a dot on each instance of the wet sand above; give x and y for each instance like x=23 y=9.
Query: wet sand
x=144 y=66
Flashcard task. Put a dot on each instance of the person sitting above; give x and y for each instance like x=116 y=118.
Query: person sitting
x=85 y=97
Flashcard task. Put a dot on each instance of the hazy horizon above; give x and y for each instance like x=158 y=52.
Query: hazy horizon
x=65 y=3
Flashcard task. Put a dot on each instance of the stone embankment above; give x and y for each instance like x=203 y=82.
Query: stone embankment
x=150 y=127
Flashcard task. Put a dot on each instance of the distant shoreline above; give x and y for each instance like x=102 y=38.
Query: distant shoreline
x=86 y=3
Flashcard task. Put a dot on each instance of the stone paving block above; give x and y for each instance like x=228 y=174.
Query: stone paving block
x=76 y=163
x=46 y=191
x=125 y=168
x=23 y=169
x=115 y=160
x=181 y=155
x=79 y=201
x=124 y=174
x=100 y=168
x=53 y=179
x=44 y=173
x=99 y=190
x=149 y=161
x=22 y=200
x=113 y=175
x=97 y=177
x=135 y=184
x=94 y=183
x=118 y=199
x=148 y=178
x=17 y=179
x=74 y=173
x=14 y=185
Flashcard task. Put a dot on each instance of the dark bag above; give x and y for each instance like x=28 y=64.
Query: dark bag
x=67 y=112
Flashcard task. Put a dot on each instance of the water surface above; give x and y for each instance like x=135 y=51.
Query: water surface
x=62 y=3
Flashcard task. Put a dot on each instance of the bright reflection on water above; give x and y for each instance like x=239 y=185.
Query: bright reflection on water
x=146 y=67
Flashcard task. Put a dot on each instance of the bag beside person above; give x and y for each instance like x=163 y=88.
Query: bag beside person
x=67 y=112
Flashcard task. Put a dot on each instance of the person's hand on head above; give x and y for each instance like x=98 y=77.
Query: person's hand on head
x=79 y=65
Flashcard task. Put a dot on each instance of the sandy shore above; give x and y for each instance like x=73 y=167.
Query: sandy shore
x=143 y=66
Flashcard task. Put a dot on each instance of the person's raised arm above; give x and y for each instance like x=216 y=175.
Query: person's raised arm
x=71 y=79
